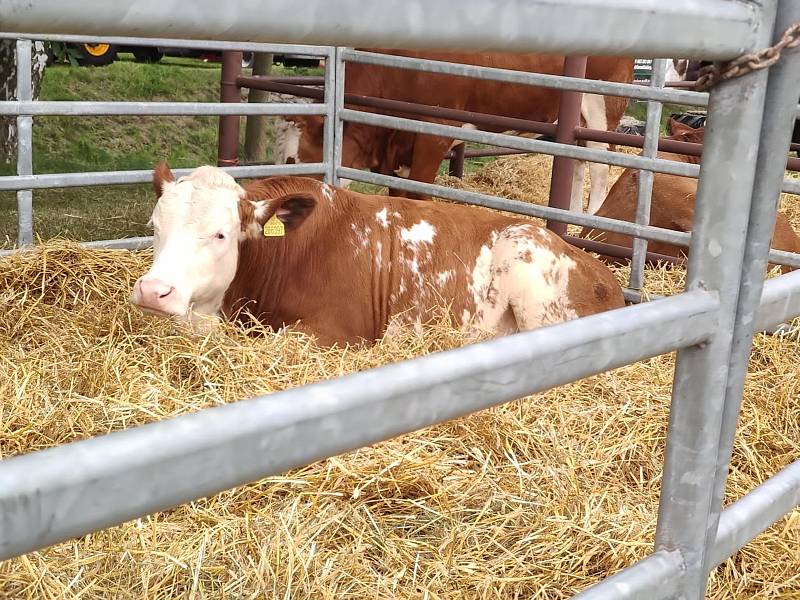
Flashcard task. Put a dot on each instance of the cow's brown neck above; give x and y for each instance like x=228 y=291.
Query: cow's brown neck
x=276 y=276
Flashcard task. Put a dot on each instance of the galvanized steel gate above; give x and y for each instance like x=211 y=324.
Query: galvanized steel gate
x=71 y=490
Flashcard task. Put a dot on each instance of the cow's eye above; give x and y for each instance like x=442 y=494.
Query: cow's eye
x=220 y=236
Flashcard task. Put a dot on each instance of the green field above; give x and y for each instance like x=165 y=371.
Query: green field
x=76 y=144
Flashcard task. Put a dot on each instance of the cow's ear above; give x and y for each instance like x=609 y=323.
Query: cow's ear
x=162 y=175
x=290 y=210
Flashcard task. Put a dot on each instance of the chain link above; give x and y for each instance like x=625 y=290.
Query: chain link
x=711 y=75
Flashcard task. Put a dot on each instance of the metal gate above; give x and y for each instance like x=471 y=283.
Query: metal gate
x=44 y=495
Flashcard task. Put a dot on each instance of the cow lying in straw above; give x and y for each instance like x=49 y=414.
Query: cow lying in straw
x=672 y=204
x=292 y=251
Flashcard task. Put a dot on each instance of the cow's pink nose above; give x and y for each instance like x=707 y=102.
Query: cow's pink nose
x=153 y=294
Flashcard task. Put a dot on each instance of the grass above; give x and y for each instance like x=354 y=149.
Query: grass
x=76 y=144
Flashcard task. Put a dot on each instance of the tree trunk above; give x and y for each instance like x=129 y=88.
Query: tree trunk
x=255 y=137
x=8 y=90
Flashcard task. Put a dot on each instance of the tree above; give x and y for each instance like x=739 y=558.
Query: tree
x=8 y=90
x=255 y=137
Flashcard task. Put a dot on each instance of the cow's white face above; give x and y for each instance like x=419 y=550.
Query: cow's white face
x=197 y=230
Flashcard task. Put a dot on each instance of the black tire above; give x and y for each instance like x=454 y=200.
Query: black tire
x=96 y=55
x=147 y=54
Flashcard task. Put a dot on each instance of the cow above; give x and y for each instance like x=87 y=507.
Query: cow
x=339 y=265
x=672 y=205
x=681 y=69
x=418 y=156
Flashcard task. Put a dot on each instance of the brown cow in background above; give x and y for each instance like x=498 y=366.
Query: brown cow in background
x=672 y=205
x=418 y=157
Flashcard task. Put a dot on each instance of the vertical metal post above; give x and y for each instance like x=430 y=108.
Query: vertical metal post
x=776 y=134
x=715 y=263
x=644 y=197
x=569 y=117
x=329 y=133
x=229 y=91
x=24 y=144
x=456 y=166
x=338 y=136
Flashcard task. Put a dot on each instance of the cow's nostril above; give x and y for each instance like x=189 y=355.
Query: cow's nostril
x=163 y=295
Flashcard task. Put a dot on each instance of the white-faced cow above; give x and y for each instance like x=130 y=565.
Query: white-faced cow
x=293 y=251
x=418 y=157
x=672 y=205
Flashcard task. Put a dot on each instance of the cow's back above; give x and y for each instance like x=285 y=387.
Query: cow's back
x=672 y=207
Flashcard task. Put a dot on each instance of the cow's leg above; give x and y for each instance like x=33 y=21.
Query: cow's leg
x=429 y=152
x=593 y=111
x=576 y=196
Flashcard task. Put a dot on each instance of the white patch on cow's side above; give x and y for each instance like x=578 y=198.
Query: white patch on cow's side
x=287 y=142
x=422 y=232
x=382 y=217
x=327 y=192
x=362 y=235
x=444 y=276
x=481 y=275
x=379 y=254
x=520 y=282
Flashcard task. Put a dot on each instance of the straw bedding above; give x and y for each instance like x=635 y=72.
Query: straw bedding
x=535 y=499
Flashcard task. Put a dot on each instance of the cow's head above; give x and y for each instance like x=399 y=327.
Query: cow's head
x=683 y=69
x=684 y=133
x=198 y=223
x=300 y=140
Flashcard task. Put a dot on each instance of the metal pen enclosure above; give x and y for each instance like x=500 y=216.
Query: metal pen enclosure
x=711 y=323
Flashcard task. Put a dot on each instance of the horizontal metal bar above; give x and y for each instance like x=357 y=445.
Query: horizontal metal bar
x=301 y=80
x=134 y=243
x=173 y=43
x=63 y=180
x=756 y=511
x=712 y=29
x=73 y=489
x=657 y=234
x=791 y=186
x=780 y=301
x=559 y=82
x=658 y=165
x=780 y=257
x=61 y=108
x=653 y=578
x=614 y=251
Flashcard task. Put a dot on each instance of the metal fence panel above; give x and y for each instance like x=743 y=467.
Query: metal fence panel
x=724 y=195
x=712 y=29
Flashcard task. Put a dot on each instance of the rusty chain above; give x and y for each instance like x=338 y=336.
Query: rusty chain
x=747 y=63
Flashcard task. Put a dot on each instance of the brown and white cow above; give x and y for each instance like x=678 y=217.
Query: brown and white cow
x=346 y=263
x=418 y=157
x=672 y=205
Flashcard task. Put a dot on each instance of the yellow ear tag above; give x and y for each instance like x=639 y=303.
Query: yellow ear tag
x=274 y=227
